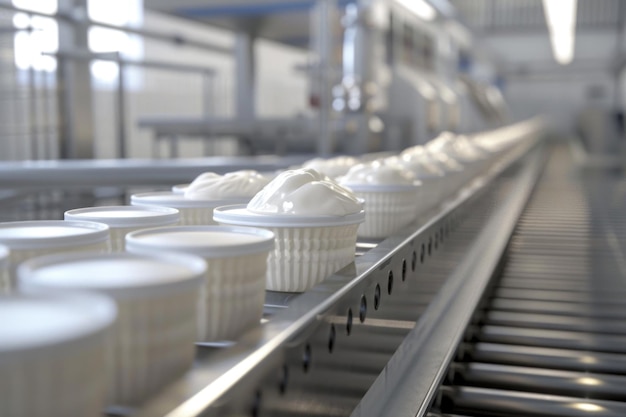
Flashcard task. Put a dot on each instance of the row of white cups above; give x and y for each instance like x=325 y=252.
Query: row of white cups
x=105 y=307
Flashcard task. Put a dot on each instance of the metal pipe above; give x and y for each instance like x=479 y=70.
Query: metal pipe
x=500 y=402
x=121 y=111
x=566 y=359
x=88 y=56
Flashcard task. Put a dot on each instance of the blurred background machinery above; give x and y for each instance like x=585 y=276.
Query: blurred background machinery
x=96 y=79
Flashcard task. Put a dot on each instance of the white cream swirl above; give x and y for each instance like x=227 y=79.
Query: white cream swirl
x=305 y=192
x=421 y=166
x=378 y=173
x=234 y=185
x=333 y=167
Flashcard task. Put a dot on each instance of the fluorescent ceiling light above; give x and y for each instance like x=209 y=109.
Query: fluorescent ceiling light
x=561 y=21
x=420 y=7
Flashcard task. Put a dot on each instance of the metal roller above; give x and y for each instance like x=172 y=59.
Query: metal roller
x=483 y=402
x=549 y=358
x=550 y=340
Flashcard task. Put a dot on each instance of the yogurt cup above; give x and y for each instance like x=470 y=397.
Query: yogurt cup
x=315 y=222
x=125 y=219
x=429 y=174
x=391 y=195
x=233 y=293
x=153 y=340
x=192 y=212
x=308 y=248
x=29 y=239
x=53 y=354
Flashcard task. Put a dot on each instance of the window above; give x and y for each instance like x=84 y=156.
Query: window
x=38 y=35
x=102 y=40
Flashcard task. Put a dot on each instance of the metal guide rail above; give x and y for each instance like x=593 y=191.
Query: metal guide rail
x=550 y=339
x=329 y=351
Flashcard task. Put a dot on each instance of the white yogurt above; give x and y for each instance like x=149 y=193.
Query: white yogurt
x=304 y=192
x=234 y=185
x=333 y=167
x=380 y=175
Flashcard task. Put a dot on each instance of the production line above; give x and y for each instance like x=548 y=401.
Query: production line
x=424 y=235
x=232 y=364
x=479 y=298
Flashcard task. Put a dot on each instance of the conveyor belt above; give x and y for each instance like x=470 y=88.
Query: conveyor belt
x=552 y=339
x=376 y=337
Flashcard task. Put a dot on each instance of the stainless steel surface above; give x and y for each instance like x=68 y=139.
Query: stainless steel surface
x=413 y=374
x=534 y=379
x=550 y=339
x=495 y=402
x=331 y=343
x=575 y=360
x=374 y=338
x=115 y=172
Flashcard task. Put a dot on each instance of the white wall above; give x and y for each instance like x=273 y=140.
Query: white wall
x=536 y=84
x=281 y=90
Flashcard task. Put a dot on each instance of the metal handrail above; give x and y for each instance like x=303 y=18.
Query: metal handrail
x=207 y=73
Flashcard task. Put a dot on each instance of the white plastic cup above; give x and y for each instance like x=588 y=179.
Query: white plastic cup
x=53 y=354
x=192 y=212
x=153 y=339
x=125 y=219
x=234 y=289
x=308 y=249
x=30 y=239
x=388 y=208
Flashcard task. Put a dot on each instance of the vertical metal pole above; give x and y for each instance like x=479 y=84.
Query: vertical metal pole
x=33 y=151
x=48 y=137
x=246 y=88
x=322 y=17
x=208 y=102
x=121 y=110
x=76 y=130
x=207 y=110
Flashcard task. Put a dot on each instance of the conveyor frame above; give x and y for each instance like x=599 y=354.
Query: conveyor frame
x=253 y=377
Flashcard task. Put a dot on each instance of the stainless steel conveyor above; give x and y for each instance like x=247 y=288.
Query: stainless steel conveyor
x=550 y=339
x=347 y=346
x=382 y=335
